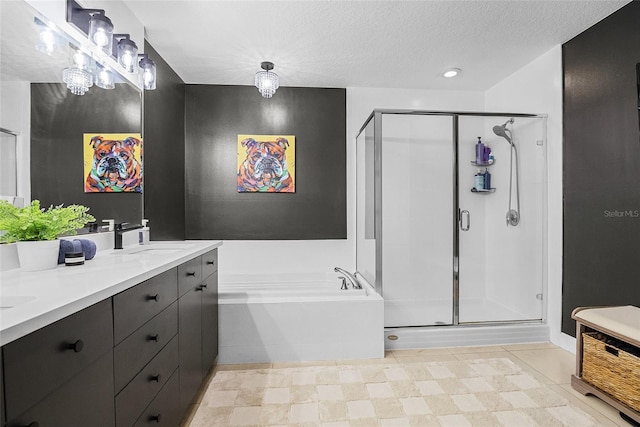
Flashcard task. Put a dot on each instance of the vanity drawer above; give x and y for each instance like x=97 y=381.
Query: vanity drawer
x=132 y=354
x=164 y=409
x=42 y=361
x=189 y=275
x=85 y=400
x=209 y=263
x=135 y=306
x=131 y=401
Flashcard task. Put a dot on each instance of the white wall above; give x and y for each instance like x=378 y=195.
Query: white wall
x=537 y=88
x=320 y=256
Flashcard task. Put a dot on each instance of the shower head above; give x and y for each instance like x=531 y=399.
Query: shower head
x=501 y=130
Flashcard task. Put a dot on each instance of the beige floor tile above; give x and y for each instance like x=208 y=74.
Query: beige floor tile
x=304 y=393
x=380 y=391
x=394 y=422
x=360 y=409
x=355 y=391
x=330 y=392
x=250 y=397
x=277 y=395
x=245 y=416
x=528 y=346
x=332 y=410
x=476 y=349
x=218 y=398
x=388 y=408
x=554 y=363
x=304 y=413
x=206 y=417
x=336 y=424
x=327 y=376
x=425 y=358
x=243 y=367
x=415 y=406
x=348 y=376
x=405 y=388
x=274 y=414
x=303 y=377
x=591 y=403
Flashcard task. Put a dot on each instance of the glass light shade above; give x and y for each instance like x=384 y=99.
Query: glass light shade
x=267 y=83
x=148 y=69
x=46 y=41
x=101 y=32
x=105 y=79
x=128 y=55
x=78 y=81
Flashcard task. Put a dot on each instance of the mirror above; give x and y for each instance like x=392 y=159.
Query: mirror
x=49 y=121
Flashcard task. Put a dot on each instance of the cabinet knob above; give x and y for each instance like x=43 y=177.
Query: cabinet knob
x=155 y=337
x=155 y=378
x=191 y=273
x=155 y=418
x=155 y=297
x=210 y=262
x=75 y=346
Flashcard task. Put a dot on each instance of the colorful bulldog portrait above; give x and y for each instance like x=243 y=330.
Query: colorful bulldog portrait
x=266 y=164
x=113 y=163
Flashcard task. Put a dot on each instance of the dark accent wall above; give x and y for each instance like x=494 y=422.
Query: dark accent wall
x=164 y=144
x=601 y=263
x=58 y=121
x=215 y=115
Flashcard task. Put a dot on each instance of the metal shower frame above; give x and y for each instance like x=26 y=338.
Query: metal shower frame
x=376 y=116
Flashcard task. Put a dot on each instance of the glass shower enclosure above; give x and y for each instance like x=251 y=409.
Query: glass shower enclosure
x=442 y=242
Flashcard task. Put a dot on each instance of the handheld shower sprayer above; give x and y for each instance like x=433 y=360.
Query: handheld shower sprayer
x=513 y=215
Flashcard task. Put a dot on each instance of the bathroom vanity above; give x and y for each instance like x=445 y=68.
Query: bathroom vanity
x=124 y=340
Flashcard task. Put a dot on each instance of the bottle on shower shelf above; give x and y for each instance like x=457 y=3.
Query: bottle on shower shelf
x=487 y=179
x=479 y=181
x=479 y=152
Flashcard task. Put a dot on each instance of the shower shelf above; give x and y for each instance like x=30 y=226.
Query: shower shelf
x=474 y=163
x=490 y=190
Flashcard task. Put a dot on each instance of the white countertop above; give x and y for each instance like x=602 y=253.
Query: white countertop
x=41 y=298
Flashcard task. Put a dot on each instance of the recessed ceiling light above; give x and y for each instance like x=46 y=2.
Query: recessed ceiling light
x=452 y=72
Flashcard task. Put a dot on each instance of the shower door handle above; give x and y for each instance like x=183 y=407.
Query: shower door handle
x=465 y=215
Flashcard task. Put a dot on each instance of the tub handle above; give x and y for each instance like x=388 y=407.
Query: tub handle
x=344 y=286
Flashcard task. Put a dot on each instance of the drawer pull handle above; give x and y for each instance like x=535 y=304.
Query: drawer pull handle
x=33 y=424
x=155 y=337
x=611 y=350
x=155 y=418
x=155 y=378
x=155 y=297
x=201 y=288
x=76 y=346
x=191 y=273
x=210 y=262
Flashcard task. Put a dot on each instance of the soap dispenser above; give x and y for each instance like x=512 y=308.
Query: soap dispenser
x=479 y=152
x=479 y=181
x=143 y=234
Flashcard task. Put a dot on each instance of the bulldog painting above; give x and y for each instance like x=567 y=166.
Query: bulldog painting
x=113 y=163
x=266 y=164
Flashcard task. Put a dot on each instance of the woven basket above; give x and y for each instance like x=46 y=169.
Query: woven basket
x=613 y=366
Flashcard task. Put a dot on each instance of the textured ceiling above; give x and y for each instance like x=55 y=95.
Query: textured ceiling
x=392 y=44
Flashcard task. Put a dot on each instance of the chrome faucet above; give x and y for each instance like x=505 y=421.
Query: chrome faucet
x=352 y=278
x=119 y=230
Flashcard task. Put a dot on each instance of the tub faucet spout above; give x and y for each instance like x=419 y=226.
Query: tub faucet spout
x=352 y=278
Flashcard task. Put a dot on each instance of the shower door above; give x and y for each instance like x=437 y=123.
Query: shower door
x=418 y=218
x=501 y=266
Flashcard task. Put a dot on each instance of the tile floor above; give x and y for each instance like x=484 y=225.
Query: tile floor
x=230 y=406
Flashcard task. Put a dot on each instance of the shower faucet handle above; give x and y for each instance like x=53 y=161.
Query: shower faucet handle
x=344 y=286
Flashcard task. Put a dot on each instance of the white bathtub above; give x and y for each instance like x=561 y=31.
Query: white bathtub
x=286 y=319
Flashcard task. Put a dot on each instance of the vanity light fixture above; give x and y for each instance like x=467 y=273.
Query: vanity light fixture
x=148 y=72
x=452 y=72
x=266 y=80
x=78 y=77
x=127 y=52
x=93 y=22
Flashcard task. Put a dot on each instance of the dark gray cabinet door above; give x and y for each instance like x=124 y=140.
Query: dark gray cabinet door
x=209 y=322
x=86 y=400
x=190 y=344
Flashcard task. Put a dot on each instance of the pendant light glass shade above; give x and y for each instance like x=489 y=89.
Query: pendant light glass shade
x=78 y=77
x=267 y=81
x=101 y=32
x=128 y=55
x=148 y=70
x=105 y=79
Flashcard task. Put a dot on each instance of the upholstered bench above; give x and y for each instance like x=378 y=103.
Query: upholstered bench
x=608 y=356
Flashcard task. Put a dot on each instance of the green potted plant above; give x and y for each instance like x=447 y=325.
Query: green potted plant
x=36 y=230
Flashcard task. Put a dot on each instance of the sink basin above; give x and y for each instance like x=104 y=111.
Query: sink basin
x=13 y=301
x=155 y=248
